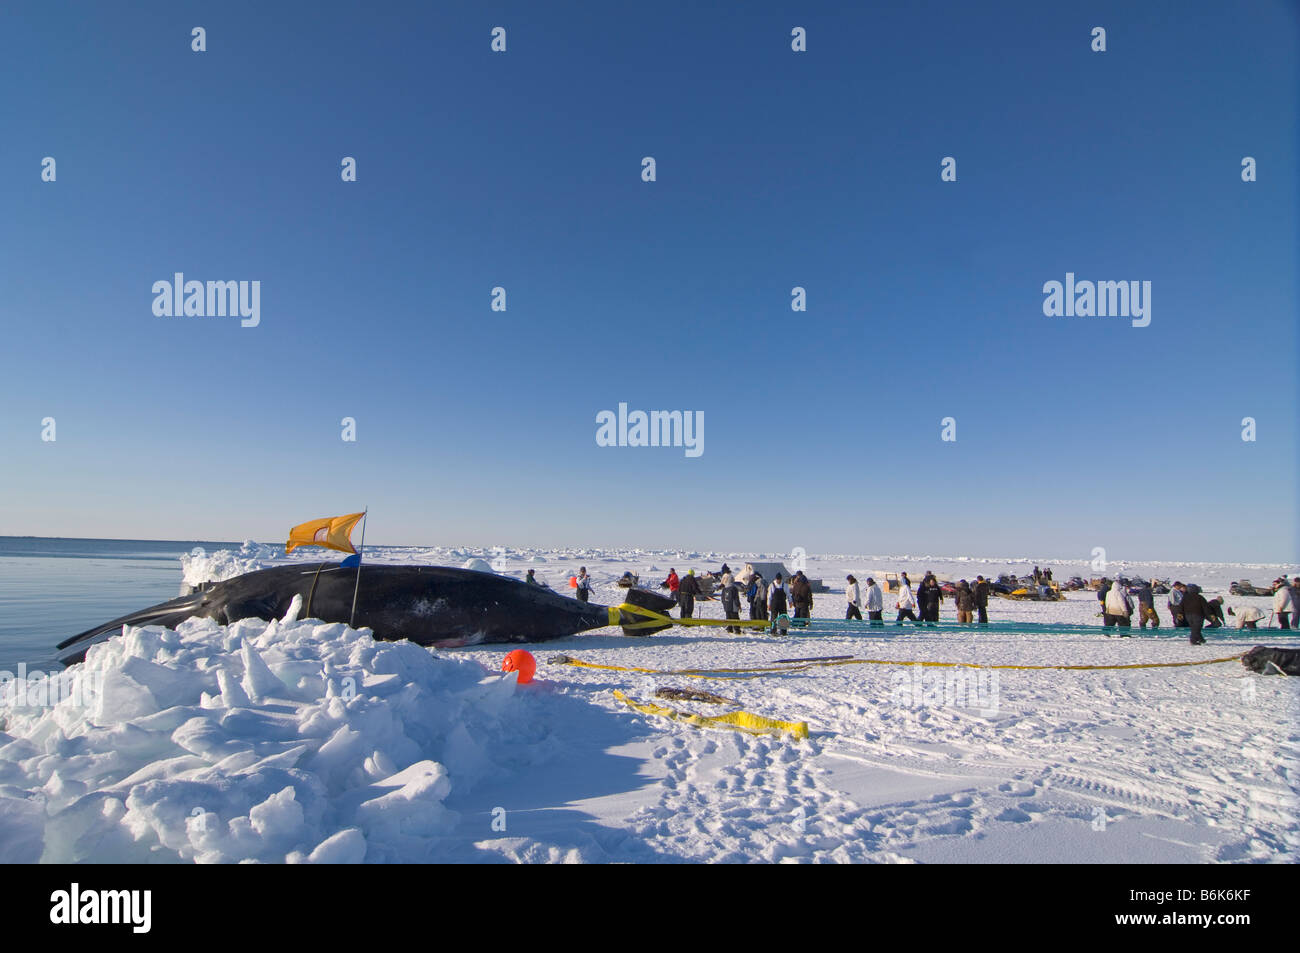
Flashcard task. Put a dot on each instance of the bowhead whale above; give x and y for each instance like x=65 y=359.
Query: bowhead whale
x=430 y=605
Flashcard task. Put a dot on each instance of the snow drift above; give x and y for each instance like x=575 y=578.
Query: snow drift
x=282 y=741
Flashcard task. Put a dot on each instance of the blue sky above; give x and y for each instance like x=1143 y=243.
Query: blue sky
x=775 y=169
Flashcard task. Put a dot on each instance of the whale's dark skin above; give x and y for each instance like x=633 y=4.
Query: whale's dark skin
x=430 y=605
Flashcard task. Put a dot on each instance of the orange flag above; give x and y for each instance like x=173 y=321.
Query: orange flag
x=330 y=532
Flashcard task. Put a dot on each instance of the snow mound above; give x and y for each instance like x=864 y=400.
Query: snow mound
x=199 y=566
x=478 y=565
x=296 y=741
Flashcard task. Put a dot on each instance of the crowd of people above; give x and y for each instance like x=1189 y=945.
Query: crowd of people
x=793 y=597
x=766 y=601
x=969 y=598
x=1189 y=609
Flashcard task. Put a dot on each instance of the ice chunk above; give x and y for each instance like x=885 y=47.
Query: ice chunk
x=169 y=686
x=22 y=830
x=380 y=766
x=279 y=816
x=259 y=681
x=346 y=847
x=232 y=693
x=122 y=698
x=207 y=740
x=413 y=809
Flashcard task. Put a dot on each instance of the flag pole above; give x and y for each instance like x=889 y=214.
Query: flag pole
x=364 y=520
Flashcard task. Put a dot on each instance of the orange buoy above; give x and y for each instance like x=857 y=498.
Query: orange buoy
x=522 y=662
x=573 y=582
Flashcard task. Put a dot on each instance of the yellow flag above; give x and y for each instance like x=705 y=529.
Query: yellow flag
x=330 y=532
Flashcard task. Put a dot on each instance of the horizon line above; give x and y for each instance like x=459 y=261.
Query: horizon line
x=895 y=556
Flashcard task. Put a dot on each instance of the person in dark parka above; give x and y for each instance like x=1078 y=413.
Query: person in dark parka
x=1195 y=610
x=776 y=604
x=687 y=589
x=801 y=595
x=730 y=600
x=1175 y=603
x=965 y=602
x=1146 y=606
x=757 y=597
x=929 y=596
x=1214 y=613
x=982 y=598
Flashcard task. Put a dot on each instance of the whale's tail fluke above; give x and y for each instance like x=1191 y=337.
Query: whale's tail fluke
x=635 y=623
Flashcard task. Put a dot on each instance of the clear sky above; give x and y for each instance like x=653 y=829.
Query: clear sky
x=775 y=169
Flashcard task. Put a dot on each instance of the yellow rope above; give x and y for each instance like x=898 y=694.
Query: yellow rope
x=653 y=619
x=745 y=721
x=766 y=670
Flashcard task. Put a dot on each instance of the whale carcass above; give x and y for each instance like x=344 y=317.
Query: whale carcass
x=430 y=605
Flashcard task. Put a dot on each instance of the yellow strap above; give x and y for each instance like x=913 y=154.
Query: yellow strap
x=653 y=619
x=767 y=670
x=745 y=721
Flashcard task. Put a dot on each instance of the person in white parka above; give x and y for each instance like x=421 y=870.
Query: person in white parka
x=1283 y=603
x=1119 y=607
x=854 y=597
x=906 y=601
x=875 y=600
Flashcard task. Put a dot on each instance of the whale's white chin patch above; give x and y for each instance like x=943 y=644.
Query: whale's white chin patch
x=459 y=642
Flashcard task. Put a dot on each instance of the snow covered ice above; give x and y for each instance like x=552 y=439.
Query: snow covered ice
x=288 y=740
x=295 y=741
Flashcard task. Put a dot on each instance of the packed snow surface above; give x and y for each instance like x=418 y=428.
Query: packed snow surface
x=300 y=741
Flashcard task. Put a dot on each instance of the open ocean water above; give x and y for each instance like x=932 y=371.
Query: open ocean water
x=54 y=588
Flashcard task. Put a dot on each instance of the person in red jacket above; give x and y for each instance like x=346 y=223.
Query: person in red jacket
x=671 y=583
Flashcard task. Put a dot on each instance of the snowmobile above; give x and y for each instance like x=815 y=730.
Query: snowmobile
x=1243 y=587
x=1045 y=592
